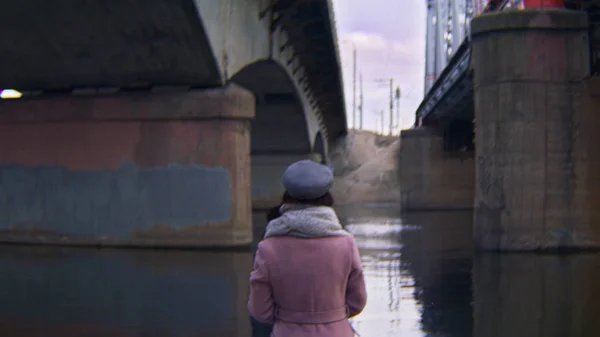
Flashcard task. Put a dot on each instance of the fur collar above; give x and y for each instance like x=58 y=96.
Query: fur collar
x=305 y=221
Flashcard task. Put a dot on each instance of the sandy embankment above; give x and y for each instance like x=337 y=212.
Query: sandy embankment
x=366 y=168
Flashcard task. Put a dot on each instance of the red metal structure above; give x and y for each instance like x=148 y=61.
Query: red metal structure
x=544 y=3
x=486 y=6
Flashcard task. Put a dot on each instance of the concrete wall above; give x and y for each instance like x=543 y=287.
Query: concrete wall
x=431 y=178
x=587 y=166
x=533 y=135
x=147 y=169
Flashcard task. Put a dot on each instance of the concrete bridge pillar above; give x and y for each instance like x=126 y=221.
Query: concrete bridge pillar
x=431 y=178
x=141 y=169
x=532 y=160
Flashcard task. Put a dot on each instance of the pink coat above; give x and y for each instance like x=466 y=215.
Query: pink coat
x=307 y=287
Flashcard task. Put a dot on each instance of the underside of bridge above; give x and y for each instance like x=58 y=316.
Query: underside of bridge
x=117 y=46
x=137 y=123
x=104 y=44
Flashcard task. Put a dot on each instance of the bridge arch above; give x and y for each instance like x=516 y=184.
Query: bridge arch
x=285 y=128
x=283 y=124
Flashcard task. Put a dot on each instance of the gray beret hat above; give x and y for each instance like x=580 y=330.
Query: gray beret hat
x=306 y=180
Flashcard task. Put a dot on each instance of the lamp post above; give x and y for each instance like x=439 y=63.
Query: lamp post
x=354 y=88
x=396 y=124
x=391 y=84
x=360 y=104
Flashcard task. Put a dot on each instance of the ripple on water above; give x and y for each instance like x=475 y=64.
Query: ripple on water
x=391 y=308
x=379 y=234
x=378 y=229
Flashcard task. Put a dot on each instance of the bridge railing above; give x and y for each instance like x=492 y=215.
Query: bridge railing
x=458 y=66
x=460 y=62
x=485 y=6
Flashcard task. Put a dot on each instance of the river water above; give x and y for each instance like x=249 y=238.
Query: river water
x=422 y=280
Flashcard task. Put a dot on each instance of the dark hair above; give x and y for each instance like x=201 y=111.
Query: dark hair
x=325 y=200
x=273 y=213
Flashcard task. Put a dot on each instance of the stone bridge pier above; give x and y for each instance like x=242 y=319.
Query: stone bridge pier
x=536 y=132
x=436 y=168
x=133 y=169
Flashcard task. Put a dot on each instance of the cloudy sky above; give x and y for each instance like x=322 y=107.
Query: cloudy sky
x=389 y=36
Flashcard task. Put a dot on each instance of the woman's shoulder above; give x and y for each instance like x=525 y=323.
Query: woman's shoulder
x=271 y=243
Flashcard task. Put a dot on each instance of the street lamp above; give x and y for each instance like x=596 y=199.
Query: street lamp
x=9 y=94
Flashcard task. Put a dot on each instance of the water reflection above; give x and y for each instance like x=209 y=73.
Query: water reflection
x=391 y=309
x=422 y=279
x=417 y=272
x=83 y=292
x=536 y=295
x=439 y=256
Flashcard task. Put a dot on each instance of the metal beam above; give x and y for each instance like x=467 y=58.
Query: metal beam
x=457 y=70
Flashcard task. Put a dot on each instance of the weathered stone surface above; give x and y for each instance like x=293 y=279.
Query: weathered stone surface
x=532 y=179
x=546 y=47
x=161 y=182
x=430 y=178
